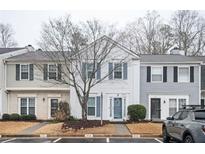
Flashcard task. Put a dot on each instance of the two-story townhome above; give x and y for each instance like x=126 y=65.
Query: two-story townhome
x=32 y=85
x=6 y=53
x=167 y=82
x=110 y=98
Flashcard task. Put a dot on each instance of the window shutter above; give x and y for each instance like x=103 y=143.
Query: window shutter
x=125 y=71
x=98 y=104
x=59 y=72
x=148 y=74
x=98 y=71
x=191 y=73
x=175 y=74
x=31 y=72
x=110 y=71
x=17 y=71
x=84 y=71
x=45 y=71
x=164 y=74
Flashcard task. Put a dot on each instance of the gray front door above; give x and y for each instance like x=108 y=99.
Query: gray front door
x=117 y=108
x=155 y=108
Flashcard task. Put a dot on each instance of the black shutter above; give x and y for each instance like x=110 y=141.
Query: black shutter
x=59 y=72
x=191 y=73
x=31 y=72
x=17 y=71
x=148 y=73
x=164 y=74
x=175 y=74
x=45 y=71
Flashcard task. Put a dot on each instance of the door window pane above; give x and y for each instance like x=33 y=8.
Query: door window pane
x=172 y=106
x=91 y=106
x=183 y=74
x=54 y=107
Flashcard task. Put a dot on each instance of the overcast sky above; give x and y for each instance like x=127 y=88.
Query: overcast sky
x=27 y=24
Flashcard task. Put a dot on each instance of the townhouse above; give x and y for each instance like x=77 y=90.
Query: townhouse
x=6 y=53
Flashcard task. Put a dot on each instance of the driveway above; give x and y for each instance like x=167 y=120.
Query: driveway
x=79 y=140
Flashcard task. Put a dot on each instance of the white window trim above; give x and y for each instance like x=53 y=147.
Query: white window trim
x=162 y=74
x=92 y=116
x=114 y=71
x=27 y=101
x=188 y=74
x=53 y=71
x=28 y=71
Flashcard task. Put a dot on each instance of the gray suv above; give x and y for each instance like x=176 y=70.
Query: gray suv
x=187 y=125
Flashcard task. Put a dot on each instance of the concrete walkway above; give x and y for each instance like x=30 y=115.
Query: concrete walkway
x=30 y=130
x=121 y=129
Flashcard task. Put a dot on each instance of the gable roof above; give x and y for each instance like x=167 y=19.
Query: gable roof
x=168 y=59
x=7 y=50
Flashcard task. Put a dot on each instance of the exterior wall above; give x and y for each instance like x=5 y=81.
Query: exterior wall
x=42 y=101
x=168 y=89
x=128 y=89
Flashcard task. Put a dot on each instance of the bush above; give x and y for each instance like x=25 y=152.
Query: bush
x=71 y=118
x=28 y=117
x=63 y=112
x=136 y=112
x=15 y=117
x=6 y=117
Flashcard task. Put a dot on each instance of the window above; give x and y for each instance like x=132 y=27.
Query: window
x=52 y=71
x=27 y=106
x=91 y=106
x=24 y=72
x=181 y=103
x=156 y=74
x=172 y=106
x=90 y=70
x=117 y=71
x=183 y=74
x=54 y=107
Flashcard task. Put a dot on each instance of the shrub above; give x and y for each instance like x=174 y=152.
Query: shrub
x=63 y=112
x=136 y=112
x=15 y=117
x=71 y=118
x=6 y=117
x=28 y=117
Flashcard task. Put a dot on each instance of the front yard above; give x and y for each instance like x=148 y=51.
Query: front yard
x=14 y=127
x=148 y=128
x=55 y=130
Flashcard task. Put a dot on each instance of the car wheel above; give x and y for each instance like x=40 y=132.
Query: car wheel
x=166 y=138
x=188 y=139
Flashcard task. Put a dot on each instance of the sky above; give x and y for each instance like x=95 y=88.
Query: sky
x=27 y=24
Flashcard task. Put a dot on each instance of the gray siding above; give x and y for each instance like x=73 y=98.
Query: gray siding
x=169 y=87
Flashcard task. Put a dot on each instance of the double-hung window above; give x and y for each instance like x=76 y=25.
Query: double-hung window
x=176 y=104
x=157 y=73
x=27 y=105
x=91 y=106
x=117 y=71
x=52 y=71
x=90 y=70
x=24 y=71
x=183 y=74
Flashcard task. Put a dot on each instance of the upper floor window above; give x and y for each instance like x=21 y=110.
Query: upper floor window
x=183 y=74
x=89 y=70
x=24 y=71
x=157 y=74
x=117 y=71
x=52 y=71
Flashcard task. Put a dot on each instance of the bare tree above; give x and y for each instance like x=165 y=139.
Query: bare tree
x=6 y=36
x=148 y=35
x=189 y=31
x=82 y=50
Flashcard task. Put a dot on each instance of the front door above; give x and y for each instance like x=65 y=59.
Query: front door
x=155 y=108
x=54 y=106
x=117 y=108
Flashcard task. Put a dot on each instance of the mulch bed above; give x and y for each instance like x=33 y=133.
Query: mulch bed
x=80 y=124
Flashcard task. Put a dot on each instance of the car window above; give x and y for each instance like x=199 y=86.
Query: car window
x=199 y=115
x=177 y=115
x=183 y=115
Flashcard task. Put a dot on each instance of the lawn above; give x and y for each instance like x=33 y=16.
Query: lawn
x=14 y=127
x=145 y=128
x=55 y=130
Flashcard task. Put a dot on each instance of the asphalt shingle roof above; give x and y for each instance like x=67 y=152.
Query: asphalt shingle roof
x=7 y=50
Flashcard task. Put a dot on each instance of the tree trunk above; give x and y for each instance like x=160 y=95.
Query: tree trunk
x=84 y=111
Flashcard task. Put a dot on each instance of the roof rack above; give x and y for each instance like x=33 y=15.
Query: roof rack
x=193 y=107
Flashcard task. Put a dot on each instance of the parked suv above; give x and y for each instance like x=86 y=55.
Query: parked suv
x=187 y=125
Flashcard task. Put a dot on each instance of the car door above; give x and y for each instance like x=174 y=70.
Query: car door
x=171 y=123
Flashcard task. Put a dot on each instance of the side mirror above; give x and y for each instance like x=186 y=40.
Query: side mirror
x=170 y=118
